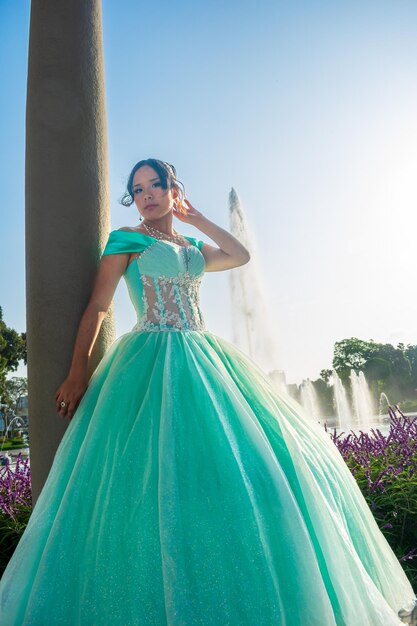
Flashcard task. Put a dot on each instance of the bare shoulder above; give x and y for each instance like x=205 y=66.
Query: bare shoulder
x=130 y=229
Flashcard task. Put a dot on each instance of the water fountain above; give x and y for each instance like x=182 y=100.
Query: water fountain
x=309 y=400
x=343 y=411
x=252 y=329
x=384 y=404
x=362 y=400
x=6 y=455
x=278 y=378
x=17 y=418
x=254 y=333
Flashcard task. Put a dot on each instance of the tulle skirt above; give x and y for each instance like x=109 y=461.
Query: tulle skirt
x=187 y=491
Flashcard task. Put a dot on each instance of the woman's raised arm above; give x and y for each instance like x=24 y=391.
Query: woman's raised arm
x=230 y=252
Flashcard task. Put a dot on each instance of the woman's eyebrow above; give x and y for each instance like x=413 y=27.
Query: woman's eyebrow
x=150 y=180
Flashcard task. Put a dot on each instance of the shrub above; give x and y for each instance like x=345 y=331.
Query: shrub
x=385 y=468
x=15 y=507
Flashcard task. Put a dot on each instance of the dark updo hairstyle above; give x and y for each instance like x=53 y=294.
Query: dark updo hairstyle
x=166 y=173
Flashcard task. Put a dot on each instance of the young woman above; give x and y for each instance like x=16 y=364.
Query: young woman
x=185 y=490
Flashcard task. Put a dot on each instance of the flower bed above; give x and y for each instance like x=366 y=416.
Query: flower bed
x=385 y=468
x=15 y=506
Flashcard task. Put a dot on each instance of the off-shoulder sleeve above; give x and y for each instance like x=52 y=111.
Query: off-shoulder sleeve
x=195 y=242
x=121 y=241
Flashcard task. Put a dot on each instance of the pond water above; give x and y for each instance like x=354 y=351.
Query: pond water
x=380 y=422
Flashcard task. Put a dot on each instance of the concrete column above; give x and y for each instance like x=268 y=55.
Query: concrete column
x=67 y=204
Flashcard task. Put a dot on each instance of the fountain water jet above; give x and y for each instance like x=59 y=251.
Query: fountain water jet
x=309 y=400
x=255 y=335
x=278 y=378
x=344 y=413
x=384 y=404
x=361 y=399
x=252 y=329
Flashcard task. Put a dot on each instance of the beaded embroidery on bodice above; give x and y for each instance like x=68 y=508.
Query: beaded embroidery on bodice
x=163 y=282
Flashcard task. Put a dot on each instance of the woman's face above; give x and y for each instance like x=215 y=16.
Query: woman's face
x=152 y=201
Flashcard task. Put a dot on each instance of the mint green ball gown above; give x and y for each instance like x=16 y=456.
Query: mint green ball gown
x=186 y=490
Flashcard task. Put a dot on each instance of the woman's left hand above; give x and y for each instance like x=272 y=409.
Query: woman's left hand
x=191 y=216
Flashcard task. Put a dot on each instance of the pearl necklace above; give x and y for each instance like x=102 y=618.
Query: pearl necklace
x=154 y=231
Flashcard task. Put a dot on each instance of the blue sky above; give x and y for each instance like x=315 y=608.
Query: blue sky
x=308 y=109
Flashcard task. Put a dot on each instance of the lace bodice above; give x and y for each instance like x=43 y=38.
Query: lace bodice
x=163 y=280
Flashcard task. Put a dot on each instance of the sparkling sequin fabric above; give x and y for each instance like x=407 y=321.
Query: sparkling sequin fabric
x=186 y=491
x=170 y=301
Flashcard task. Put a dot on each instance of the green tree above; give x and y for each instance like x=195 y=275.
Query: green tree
x=399 y=378
x=388 y=369
x=15 y=388
x=324 y=393
x=12 y=351
x=410 y=353
x=326 y=375
x=352 y=354
x=377 y=368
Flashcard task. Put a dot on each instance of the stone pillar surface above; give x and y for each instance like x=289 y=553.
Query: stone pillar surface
x=67 y=204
